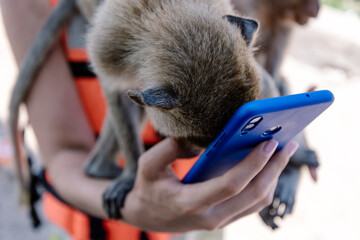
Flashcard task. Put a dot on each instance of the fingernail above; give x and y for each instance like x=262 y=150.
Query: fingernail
x=293 y=146
x=270 y=146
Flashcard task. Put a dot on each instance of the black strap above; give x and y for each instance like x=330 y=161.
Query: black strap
x=97 y=231
x=144 y=236
x=34 y=197
x=81 y=69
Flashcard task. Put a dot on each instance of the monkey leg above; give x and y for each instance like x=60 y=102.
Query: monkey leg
x=127 y=135
x=268 y=88
x=276 y=49
x=285 y=192
x=284 y=197
x=304 y=155
x=283 y=85
x=102 y=159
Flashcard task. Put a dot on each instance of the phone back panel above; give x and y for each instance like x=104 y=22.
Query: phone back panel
x=288 y=115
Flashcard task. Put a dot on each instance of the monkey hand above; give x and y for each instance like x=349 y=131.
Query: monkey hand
x=114 y=195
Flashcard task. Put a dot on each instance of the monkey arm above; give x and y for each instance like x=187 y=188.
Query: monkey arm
x=276 y=49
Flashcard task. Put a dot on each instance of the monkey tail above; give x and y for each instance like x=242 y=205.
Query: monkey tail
x=29 y=69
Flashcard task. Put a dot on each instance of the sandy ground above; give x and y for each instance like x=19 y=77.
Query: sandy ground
x=327 y=54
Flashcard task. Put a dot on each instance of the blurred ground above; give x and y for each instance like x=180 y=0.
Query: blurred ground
x=327 y=54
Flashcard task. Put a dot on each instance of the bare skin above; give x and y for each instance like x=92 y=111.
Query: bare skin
x=65 y=145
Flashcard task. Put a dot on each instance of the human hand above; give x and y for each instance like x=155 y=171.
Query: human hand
x=160 y=202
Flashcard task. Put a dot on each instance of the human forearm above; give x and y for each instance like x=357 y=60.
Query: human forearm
x=72 y=184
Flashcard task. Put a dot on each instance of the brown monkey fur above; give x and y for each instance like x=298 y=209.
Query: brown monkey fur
x=187 y=62
x=182 y=48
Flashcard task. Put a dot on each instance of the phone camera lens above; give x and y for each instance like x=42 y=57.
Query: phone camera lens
x=249 y=126
x=272 y=131
x=256 y=120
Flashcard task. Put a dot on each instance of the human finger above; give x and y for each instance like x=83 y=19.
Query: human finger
x=256 y=207
x=158 y=158
x=233 y=181
x=259 y=187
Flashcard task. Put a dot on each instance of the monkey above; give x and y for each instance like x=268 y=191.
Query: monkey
x=277 y=19
x=155 y=53
x=161 y=57
x=165 y=104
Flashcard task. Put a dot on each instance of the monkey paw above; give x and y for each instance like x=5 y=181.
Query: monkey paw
x=284 y=197
x=114 y=196
x=104 y=170
x=304 y=156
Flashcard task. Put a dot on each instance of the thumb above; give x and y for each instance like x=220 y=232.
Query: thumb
x=157 y=158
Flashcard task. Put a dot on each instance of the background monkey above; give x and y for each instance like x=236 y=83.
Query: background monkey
x=168 y=98
x=277 y=19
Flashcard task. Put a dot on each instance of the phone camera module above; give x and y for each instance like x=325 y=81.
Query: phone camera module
x=272 y=131
x=251 y=125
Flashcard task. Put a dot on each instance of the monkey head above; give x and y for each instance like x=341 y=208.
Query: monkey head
x=196 y=76
x=298 y=11
x=191 y=67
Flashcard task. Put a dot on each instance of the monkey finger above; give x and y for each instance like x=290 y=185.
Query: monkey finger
x=284 y=195
x=289 y=207
x=313 y=173
x=312 y=88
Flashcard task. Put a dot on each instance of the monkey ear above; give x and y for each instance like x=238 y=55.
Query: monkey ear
x=248 y=27
x=156 y=98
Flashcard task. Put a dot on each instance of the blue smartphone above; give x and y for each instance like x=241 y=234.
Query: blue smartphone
x=280 y=118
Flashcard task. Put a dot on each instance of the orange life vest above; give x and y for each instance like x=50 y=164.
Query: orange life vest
x=77 y=224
